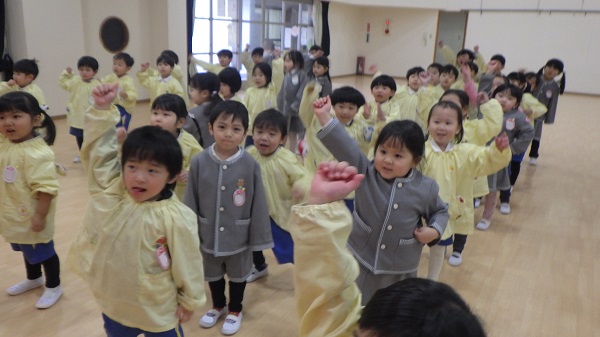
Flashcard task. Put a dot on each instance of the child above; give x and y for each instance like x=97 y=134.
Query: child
x=127 y=98
x=547 y=92
x=434 y=70
x=232 y=223
x=204 y=92
x=225 y=56
x=314 y=53
x=520 y=134
x=448 y=76
x=263 y=95
x=414 y=98
x=454 y=165
x=24 y=73
x=383 y=88
x=169 y=113
x=281 y=174
x=412 y=307
x=231 y=83
x=250 y=59
x=320 y=70
x=163 y=83
x=290 y=95
x=80 y=87
x=28 y=193
x=390 y=202
x=138 y=246
x=488 y=82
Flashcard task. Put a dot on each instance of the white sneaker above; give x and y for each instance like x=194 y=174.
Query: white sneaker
x=211 y=317
x=483 y=224
x=455 y=259
x=232 y=324
x=504 y=208
x=477 y=203
x=24 y=286
x=49 y=297
x=76 y=160
x=255 y=275
x=532 y=161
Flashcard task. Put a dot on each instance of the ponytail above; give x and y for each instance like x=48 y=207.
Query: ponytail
x=49 y=127
x=215 y=98
x=562 y=83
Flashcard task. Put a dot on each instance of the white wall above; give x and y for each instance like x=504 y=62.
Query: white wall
x=345 y=25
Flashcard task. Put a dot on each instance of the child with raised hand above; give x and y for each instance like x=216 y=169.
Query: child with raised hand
x=231 y=83
x=28 y=192
x=282 y=174
x=414 y=99
x=80 y=89
x=225 y=56
x=454 y=165
x=414 y=307
x=25 y=71
x=127 y=97
x=138 y=247
x=250 y=59
x=320 y=70
x=383 y=88
x=290 y=95
x=234 y=221
x=163 y=83
x=388 y=233
x=547 y=92
x=520 y=134
x=204 y=92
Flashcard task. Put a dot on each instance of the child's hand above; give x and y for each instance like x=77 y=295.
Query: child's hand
x=104 y=94
x=425 y=234
x=527 y=112
x=145 y=66
x=501 y=141
x=492 y=67
x=441 y=43
x=247 y=47
x=69 y=70
x=276 y=53
x=121 y=135
x=182 y=314
x=482 y=97
x=333 y=181
x=11 y=82
x=425 y=77
x=380 y=114
x=321 y=108
x=38 y=223
x=476 y=48
x=367 y=110
x=123 y=94
x=183 y=176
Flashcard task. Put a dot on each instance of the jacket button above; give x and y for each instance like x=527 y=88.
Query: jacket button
x=399 y=185
x=222 y=229
x=389 y=228
x=383 y=246
x=395 y=206
x=222 y=188
x=221 y=209
x=224 y=167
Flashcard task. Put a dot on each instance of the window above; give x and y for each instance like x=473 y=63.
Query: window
x=235 y=24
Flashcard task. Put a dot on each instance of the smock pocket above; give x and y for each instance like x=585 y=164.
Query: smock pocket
x=361 y=224
x=407 y=255
x=157 y=289
x=204 y=229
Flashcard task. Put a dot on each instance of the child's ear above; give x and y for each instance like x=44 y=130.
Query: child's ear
x=210 y=129
x=37 y=120
x=180 y=122
x=29 y=77
x=283 y=140
x=173 y=180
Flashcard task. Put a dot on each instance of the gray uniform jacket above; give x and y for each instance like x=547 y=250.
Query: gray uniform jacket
x=386 y=212
x=229 y=199
x=199 y=115
x=519 y=131
x=290 y=95
x=547 y=93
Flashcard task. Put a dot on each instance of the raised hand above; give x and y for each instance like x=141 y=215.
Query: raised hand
x=321 y=108
x=501 y=141
x=104 y=94
x=333 y=181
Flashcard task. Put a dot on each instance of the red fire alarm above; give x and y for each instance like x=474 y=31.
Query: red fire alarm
x=387 y=26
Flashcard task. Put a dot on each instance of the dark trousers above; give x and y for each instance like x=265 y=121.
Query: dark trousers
x=236 y=294
x=459 y=242
x=535 y=147
x=258 y=259
x=51 y=269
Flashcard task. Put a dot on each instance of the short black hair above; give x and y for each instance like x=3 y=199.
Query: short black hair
x=473 y=66
x=164 y=58
x=515 y=92
x=125 y=57
x=517 y=76
x=447 y=104
x=384 y=80
x=347 y=94
x=462 y=96
x=413 y=71
x=296 y=58
x=271 y=119
x=26 y=102
x=171 y=102
x=315 y=47
x=232 y=78
x=265 y=68
x=27 y=67
x=467 y=52
x=172 y=55
x=448 y=68
x=499 y=58
x=556 y=64
x=403 y=133
x=225 y=52
x=258 y=51
x=436 y=66
x=153 y=143
x=87 y=61
x=229 y=108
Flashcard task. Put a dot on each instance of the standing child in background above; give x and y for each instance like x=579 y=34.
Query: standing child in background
x=414 y=98
x=204 y=92
x=28 y=192
x=448 y=77
x=454 y=165
x=231 y=83
x=388 y=233
x=234 y=221
x=138 y=246
x=225 y=56
x=80 y=89
x=383 y=88
x=281 y=174
x=314 y=53
x=127 y=97
x=520 y=134
x=263 y=95
x=290 y=95
x=547 y=92
x=163 y=83
x=250 y=59
x=435 y=70
x=25 y=71
x=320 y=70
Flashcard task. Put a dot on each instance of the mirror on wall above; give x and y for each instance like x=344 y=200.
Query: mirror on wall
x=114 y=34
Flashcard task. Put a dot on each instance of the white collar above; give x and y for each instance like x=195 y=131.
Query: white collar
x=164 y=80
x=230 y=159
x=436 y=148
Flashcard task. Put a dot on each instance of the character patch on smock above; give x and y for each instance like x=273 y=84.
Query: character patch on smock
x=9 y=174
x=368 y=133
x=162 y=253
x=548 y=93
x=510 y=124
x=239 y=195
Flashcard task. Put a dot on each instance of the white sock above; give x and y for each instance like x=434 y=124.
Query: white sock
x=436 y=261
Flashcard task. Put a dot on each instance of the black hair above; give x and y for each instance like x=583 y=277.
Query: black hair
x=447 y=104
x=419 y=307
x=473 y=66
x=384 y=80
x=462 y=96
x=514 y=92
x=87 y=61
x=296 y=58
x=436 y=66
x=125 y=57
x=258 y=51
x=448 y=68
x=414 y=71
x=225 y=52
x=560 y=66
x=164 y=58
x=26 y=102
x=232 y=78
x=519 y=77
x=315 y=47
x=467 y=52
x=347 y=94
x=211 y=83
x=499 y=58
x=403 y=133
x=531 y=75
x=271 y=119
x=171 y=54
x=230 y=108
x=171 y=102
x=323 y=61
x=27 y=67
x=265 y=68
x=153 y=143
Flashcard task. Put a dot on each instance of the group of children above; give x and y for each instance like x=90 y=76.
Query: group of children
x=219 y=178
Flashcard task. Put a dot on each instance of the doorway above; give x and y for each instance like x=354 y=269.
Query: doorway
x=451 y=29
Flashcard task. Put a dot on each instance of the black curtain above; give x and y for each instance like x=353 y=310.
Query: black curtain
x=325 y=38
x=2 y=26
x=190 y=29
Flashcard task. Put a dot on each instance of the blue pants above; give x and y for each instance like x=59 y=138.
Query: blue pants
x=284 y=245
x=125 y=117
x=114 y=329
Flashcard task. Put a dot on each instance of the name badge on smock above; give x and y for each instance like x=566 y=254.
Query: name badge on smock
x=239 y=195
x=510 y=124
x=548 y=93
x=162 y=254
x=368 y=133
x=10 y=174
x=295 y=80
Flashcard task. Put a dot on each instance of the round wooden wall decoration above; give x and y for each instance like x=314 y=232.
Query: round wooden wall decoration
x=114 y=34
